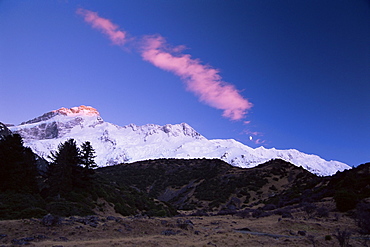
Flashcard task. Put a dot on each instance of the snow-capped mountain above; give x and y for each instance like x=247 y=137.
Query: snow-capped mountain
x=115 y=144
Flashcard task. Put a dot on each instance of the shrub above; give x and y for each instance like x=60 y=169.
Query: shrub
x=273 y=187
x=156 y=212
x=363 y=217
x=200 y=213
x=258 y=213
x=269 y=207
x=244 y=213
x=284 y=212
x=214 y=204
x=345 y=200
x=75 y=197
x=189 y=206
x=123 y=209
x=18 y=205
x=322 y=212
x=312 y=240
x=227 y=212
x=309 y=208
x=66 y=208
x=32 y=213
x=343 y=237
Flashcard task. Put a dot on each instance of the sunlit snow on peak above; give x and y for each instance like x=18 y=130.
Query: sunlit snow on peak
x=78 y=111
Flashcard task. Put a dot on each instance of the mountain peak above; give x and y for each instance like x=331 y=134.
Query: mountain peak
x=70 y=112
x=78 y=111
x=183 y=128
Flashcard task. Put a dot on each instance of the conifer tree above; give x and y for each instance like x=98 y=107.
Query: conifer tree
x=87 y=156
x=18 y=169
x=71 y=167
x=65 y=169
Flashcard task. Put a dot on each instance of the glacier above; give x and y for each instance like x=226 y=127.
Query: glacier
x=115 y=144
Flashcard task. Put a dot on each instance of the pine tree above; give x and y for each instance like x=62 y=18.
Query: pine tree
x=71 y=167
x=65 y=170
x=87 y=156
x=18 y=169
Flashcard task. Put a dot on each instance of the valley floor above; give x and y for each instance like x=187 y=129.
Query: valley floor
x=178 y=231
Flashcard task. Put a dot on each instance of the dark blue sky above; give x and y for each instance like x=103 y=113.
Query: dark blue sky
x=304 y=65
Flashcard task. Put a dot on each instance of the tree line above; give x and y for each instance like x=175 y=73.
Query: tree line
x=66 y=185
x=70 y=168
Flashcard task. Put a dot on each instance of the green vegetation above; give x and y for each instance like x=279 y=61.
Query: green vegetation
x=16 y=205
x=72 y=186
x=69 y=187
x=350 y=187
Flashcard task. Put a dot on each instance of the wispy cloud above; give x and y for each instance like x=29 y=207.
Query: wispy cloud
x=117 y=36
x=203 y=80
x=259 y=141
x=200 y=79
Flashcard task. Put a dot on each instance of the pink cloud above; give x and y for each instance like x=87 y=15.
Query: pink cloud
x=254 y=133
x=259 y=141
x=104 y=25
x=203 y=80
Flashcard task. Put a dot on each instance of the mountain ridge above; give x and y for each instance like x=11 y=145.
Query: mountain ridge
x=126 y=144
x=210 y=184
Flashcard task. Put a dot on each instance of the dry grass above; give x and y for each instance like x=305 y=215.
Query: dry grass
x=206 y=231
